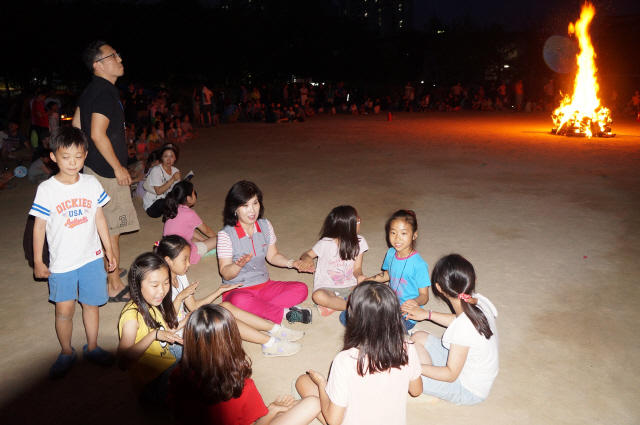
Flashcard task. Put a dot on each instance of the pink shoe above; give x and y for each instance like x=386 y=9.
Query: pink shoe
x=324 y=311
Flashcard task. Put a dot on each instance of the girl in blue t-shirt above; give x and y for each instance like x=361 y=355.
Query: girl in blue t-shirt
x=405 y=271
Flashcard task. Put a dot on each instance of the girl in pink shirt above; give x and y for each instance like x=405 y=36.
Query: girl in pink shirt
x=180 y=219
x=371 y=376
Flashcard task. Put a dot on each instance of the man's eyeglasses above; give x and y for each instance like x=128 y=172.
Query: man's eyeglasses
x=107 y=57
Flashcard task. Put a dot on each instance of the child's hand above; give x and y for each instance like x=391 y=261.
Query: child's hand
x=301 y=266
x=243 y=260
x=414 y=312
x=305 y=264
x=189 y=290
x=41 y=271
x=112 y=261
x=226 y=287
x=409 y=304
x=282 y=404
x=169 y=336
x=317 y=378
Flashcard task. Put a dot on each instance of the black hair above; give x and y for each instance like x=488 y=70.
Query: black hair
x=67 y=136
x=455 y=275
x=141 y=130
x=141 y=267
x=44 y=153
x=170 y=246
x=12 y=121
x=92 y=53
x=177 y=196
x=239 y=194
x=409 y=217
x=50 y=104
x=153 y=157
x=380 y=342
x=342 y=224
x=169 y=147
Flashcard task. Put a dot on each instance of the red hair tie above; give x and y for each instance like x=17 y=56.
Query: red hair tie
x=464 y=297
x=157 y=243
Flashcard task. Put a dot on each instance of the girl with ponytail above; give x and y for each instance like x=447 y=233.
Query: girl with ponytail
x=462 y=366
x=180 y=219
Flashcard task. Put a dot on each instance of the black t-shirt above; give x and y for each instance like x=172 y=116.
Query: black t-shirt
x=103 y=98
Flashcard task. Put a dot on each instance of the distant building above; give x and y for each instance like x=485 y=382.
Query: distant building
x=386 y=16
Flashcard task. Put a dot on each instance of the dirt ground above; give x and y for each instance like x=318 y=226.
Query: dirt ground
x=550 y=223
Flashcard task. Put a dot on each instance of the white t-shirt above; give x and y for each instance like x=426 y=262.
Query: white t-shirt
x=481 y=367
x=70 y=211
x=380 y=398
x=332 y=271
x=183 y=282
x=157 y=177
x=224 y=246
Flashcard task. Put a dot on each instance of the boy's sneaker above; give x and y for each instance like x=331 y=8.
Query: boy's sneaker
x=287 y=334
x=98 y=356
x=281 y=348
x=299 y=315
x=325 y=311
x=62 y=366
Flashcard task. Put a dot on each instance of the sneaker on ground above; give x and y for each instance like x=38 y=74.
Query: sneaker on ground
x=287 y=334
x=281 y=348
x=299 y=315
x=325 y=311
x=63 y=364
x=98 y=356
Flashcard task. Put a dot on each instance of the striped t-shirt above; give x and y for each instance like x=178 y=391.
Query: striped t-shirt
x=70 y=211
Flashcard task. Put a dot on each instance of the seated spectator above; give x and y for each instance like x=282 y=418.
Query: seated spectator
x=424 y=104
x=476 y=102
x=39 y=170
x=353 y=109
x=291 y=116
x=187 y=129
x=487 y=105
x=153 y=140
x=299 y=111
x=159 y=125
x=15 y=147
x=175 y=111
x=498 y=105
x=141 y=144
x=308 y=110
x=538 y=105
x=376 y=106
x=231 y=112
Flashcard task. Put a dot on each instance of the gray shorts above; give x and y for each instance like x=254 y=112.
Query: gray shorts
x=341 y=292
x=453 y=392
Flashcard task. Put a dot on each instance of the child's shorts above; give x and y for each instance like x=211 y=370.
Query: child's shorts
x=87 y=284
x=452 y=392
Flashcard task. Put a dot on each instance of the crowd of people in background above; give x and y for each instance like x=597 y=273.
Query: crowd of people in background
x=154 y=117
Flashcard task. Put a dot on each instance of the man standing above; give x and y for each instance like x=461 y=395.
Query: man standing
x=101 y=117
x=519 y=95
x=206 y=105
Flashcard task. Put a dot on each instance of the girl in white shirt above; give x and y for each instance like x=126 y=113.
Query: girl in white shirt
x=340 y=252
x=370 y=378
x=462 y=366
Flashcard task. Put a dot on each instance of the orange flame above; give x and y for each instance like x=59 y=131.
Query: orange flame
x=582 y=113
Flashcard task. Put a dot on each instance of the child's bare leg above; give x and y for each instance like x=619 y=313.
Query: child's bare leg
x=247 y=333
x=91 y=319
x=210 y=243
x=420 y=339
x=255 y=322
x=64 y=324
x=326 y=298
x=302 y=413
x=307 y=388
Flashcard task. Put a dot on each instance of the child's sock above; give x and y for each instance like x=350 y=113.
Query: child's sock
x=269 y=343
x=275 y=328
x=286 y=310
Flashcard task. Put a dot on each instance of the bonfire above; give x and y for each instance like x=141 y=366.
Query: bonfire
x=581 y=114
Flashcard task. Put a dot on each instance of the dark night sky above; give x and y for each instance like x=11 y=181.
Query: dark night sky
x=555 y=14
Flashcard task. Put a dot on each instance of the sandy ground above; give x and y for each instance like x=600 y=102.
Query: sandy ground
x=550 y=223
